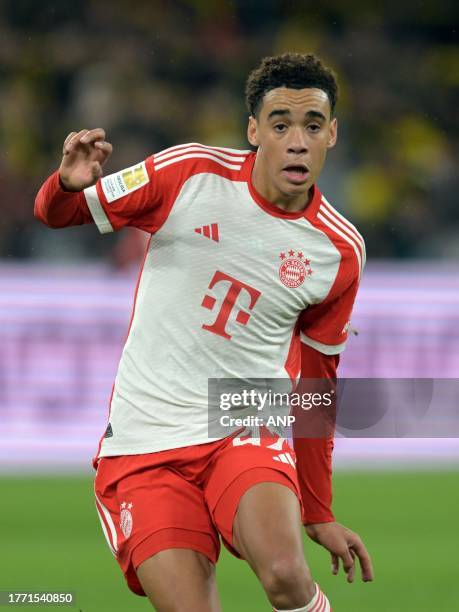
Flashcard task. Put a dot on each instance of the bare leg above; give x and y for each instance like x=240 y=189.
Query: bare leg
x=179 y=580
x=267 y=533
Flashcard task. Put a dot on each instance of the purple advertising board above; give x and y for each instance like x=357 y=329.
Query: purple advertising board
x=62 y=331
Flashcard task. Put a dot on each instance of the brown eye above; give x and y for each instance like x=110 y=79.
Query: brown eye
x=280 y=127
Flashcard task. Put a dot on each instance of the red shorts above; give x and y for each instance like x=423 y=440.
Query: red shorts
x=183 y=497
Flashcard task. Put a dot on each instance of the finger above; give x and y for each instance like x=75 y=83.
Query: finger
x=73 y=140
x=366 y=565
x=93 y=135
x=106 y=147
x=351 y=574
x=348 y=565
x=67 y=140
x=334 y=564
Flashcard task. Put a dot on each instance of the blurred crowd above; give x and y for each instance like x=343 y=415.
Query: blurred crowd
x=155 y=74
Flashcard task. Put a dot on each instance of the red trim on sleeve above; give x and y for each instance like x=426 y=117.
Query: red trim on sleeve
x=327 y=322
x=58 y=208
x=314 y=455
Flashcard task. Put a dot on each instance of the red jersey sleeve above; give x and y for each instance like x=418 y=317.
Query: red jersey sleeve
x=58 y=208
x=133 y=196
x=325 y=326
x=314 y=455
x=323 y=331
x=140 y=196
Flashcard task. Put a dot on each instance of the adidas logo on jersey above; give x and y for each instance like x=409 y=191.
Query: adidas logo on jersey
x=285 y=458
x=209 y=231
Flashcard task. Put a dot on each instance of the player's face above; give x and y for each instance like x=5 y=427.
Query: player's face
x=293 y=131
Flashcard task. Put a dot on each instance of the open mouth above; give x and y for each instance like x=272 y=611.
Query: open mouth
x=296 y=173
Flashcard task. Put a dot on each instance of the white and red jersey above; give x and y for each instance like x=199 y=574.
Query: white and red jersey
x=229 y=288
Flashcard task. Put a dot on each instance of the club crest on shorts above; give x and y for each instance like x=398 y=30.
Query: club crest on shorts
x=295 y=267
x=126 y=519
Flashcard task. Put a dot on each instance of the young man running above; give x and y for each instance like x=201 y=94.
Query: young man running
x=249 y=273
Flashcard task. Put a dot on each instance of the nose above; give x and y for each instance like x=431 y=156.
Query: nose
x=297 y=142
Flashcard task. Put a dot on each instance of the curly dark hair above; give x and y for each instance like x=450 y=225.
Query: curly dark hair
x=293 y=70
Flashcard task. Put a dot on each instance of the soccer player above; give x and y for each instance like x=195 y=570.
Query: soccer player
x=249 y=273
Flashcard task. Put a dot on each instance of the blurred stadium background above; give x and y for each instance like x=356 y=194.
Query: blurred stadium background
x=155 y=74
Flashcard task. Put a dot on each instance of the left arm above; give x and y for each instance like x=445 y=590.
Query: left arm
x=314 y=454
x=314 y=466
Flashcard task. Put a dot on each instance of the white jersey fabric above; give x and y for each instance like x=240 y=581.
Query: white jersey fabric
x=229 y=287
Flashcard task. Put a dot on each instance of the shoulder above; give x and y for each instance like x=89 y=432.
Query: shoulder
x=192 y=158
x=344 y=234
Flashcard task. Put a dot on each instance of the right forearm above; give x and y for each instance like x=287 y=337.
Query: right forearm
x=58 y=208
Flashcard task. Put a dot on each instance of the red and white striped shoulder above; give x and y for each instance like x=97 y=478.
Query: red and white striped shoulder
x=192 y=153
x=340 y=226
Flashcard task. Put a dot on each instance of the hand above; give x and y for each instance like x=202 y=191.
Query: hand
x=344 y=544
x=84 y=154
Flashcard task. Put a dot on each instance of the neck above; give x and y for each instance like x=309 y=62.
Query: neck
x=266 y=188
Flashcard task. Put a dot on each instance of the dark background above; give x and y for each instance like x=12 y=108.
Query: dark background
x=155 y=74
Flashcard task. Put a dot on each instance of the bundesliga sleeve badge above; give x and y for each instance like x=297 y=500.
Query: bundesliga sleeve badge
x=119 y=184
x=294 y=269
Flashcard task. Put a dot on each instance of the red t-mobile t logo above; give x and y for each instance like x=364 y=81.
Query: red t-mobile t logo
x=235 y=288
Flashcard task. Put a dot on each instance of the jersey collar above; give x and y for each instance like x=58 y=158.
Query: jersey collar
x=309 y=212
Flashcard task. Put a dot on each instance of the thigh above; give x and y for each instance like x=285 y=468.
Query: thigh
x=267 y=524
x=238 y=467
x=267 y=533
x=177 y=579
x=258 y=514
x=145 y=509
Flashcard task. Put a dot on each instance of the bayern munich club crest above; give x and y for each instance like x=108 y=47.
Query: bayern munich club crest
x=295 y=267
x=126 y=519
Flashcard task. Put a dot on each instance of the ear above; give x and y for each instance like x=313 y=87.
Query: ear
x=252 y=132
x=333 y=133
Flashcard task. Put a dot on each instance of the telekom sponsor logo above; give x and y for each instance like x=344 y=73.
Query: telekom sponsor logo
x=236 y=286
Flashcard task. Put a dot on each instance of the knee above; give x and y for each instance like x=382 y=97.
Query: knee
x=287 y=582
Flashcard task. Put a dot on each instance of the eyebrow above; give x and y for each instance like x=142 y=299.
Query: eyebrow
x=312 y=114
